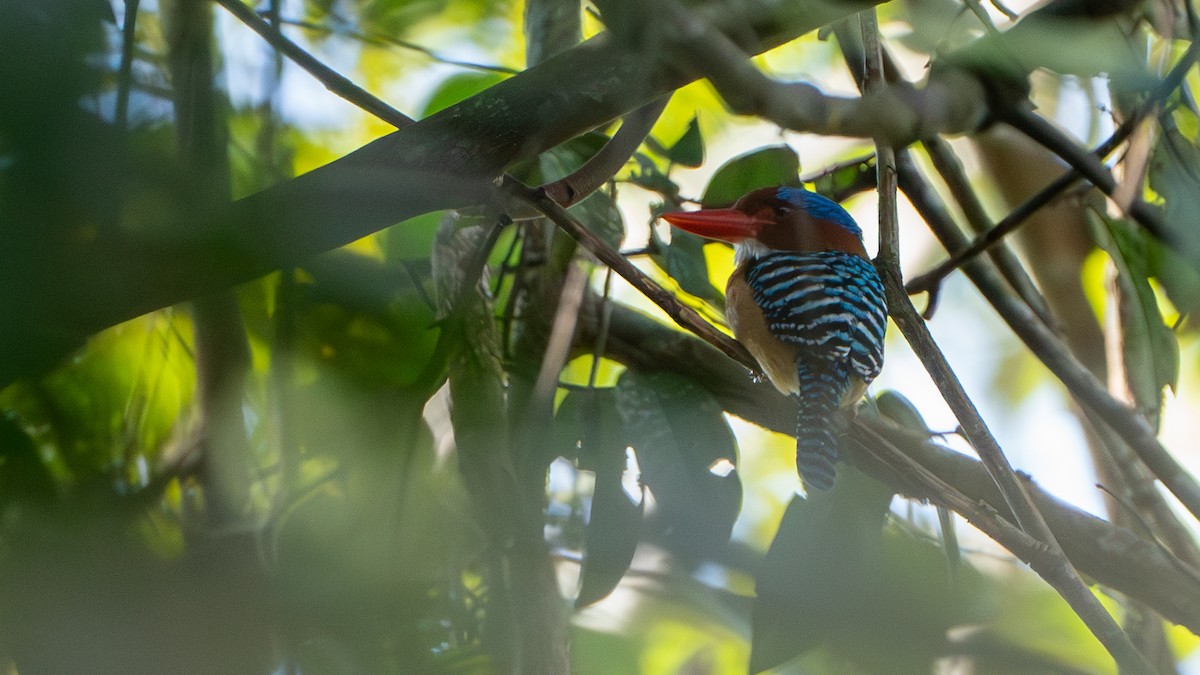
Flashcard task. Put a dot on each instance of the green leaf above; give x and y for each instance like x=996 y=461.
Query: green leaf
x=457 y=88
x=651 y=178
x=682 y=442
x=1174 y=173
x=562 y=160
x=894 y=406
x=689 y=149
x=412 y=239
x=770 y=166
x=847 y=181
x=615 y=524
x=599 y=213
x=683 y=260
x=1149 y=347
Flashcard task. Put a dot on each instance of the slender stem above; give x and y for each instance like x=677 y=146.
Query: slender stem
x=951 y=171
x=1053 y=565
x=602 y=332
x=125 y=74
x=930 y=280
x=333 y=81
x=1044 y=344
x=386 y=41
x=682 y=314
x=885 y=154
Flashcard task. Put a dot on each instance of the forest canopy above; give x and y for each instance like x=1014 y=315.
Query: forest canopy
x=345 y=337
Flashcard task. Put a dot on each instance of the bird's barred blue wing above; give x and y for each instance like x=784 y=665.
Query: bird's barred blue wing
x=831 y=305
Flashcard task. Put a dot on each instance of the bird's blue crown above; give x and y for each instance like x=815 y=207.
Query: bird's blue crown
x=820 y=207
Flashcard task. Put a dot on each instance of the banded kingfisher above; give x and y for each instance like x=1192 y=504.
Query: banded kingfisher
x=806 y=302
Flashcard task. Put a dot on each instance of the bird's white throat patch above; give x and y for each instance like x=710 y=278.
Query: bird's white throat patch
x=748 y=249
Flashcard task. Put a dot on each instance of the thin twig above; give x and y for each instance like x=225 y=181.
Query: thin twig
x=562 y=332
x=885 y=155
x=1048 y=347
x=930 y=280
x=1053 y=565
x=333 y=81
x=385 y=41
x=125 y=73
x=602 y=331
x=951 y=171
x=682 y=314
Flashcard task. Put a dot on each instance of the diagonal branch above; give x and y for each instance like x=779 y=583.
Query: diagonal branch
x=1044 y=344
x=933 y=278
x=954 y=103
x=682 y=314
x=333 y=81
x=1052 y=564
x=1114 y=556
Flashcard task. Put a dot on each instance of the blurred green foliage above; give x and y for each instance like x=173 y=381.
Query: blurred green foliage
x=360 y=547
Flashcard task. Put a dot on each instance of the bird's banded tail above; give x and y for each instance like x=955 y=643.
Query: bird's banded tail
x=822 y=388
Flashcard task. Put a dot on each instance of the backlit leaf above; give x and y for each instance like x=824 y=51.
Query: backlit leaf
x=689 y=149
x=770 y=166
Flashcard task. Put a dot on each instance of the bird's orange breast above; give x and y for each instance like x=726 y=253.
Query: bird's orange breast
x=777 y=358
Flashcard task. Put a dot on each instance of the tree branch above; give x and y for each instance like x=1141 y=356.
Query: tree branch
x=682 y=314
x=1051 y=563
x=1048 y=348
x=1115 y=557
x=956 y=102
x=333 y=81
x=448 y=160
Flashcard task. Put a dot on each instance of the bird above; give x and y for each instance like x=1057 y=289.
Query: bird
x=806 y=301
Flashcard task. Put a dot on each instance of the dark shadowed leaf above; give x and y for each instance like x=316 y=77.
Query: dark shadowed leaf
x=367 y=321
x=773 y=165
x=689 y=149
x=825 y=549
x=686 y=452
x=833 y=579
x=616 y=516
x=24 y=475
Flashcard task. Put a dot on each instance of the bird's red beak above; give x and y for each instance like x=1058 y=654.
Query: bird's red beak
x=729 y=225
